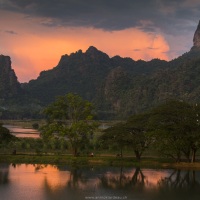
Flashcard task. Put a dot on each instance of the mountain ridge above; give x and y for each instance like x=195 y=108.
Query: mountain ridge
x=118 y=87
x=93 y=65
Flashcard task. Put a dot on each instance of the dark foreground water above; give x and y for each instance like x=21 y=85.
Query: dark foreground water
x=47 y=182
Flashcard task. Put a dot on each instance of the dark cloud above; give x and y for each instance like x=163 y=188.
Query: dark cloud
x=11 y=32
x=136 y=49
x=152 y=48
x=169 y=16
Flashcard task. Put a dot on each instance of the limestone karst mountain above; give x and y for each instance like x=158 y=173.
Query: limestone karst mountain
x=9 y=85
x=196 y=39
x=117 y=86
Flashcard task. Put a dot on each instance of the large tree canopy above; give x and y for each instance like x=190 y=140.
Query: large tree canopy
x=132 y=133
x=138 y=129
x=117 y=137
x=70 y=117
x=176 y=129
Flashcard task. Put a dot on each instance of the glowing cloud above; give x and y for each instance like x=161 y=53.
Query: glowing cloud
x=35 y=47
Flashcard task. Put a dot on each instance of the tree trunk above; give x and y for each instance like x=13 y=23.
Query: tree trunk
x=187 y=155
x=193 y=159
x=75 y=151
x=193 y=177
x=178 y=158
x=121 y=153
x=138 y=155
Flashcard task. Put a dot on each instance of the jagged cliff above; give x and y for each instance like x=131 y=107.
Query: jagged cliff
x=87 y=73
x=9 y=85
x=117 y=86
x=121 y=86
x=196 y=39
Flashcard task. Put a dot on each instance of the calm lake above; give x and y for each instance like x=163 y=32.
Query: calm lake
x=32 y=133
x=47 y=182
x=23 y=132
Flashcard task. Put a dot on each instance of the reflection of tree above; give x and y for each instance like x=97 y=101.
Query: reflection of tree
x=123 y=181
x=179 y=185
x=76 y=178
x=4 y=172
x=138 y=178
x=13 y=165
x=71 y=189
x=39 y=166
x=179 y=179
x=74 y=181
x=115 y=182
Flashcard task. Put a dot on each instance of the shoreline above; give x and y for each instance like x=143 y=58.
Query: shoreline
x=97 y=161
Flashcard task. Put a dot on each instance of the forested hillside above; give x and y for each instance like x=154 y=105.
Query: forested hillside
x=118 y=87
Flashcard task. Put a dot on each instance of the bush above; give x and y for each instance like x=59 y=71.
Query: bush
x=35 y=126
x=5 y=135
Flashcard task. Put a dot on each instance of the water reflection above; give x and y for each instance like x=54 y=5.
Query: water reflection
x=4 y=173
x=23 y=132
x=62 y=182
x=123 y=179
x=179 y=180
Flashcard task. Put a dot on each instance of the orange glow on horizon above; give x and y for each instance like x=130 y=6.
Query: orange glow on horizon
x=35 y=48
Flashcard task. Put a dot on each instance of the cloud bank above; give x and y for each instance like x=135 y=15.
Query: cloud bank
x=170 y=16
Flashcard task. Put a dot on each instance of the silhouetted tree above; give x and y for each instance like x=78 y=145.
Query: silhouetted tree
x=176 y=130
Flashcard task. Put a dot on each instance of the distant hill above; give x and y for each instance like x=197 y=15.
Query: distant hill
x=90 y=74
x=117 y=86
x=179 y=80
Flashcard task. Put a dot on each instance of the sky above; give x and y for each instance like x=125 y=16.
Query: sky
x=36 y=33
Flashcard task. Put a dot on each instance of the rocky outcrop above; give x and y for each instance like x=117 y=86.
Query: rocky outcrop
x=9 y=85
x=97 y=55
x=196 y=39
x=115 y=83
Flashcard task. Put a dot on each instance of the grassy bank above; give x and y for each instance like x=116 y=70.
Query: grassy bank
x=146 y=162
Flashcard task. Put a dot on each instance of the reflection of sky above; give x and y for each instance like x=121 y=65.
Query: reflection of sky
x=153 y=176
x=147 y=177
x=40 y=182
x=27 y=181
x=4 y=173
x=23 y=132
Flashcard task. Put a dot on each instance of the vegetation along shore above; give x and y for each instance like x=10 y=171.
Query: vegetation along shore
x=166 y=136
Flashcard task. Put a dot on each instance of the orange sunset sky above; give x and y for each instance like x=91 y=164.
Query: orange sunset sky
x=36 y=33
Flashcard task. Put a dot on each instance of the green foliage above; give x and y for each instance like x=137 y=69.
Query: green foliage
x=37 y=145
x=70 y=117
x=69 y=107
x=107 y=82
x=118 y=87
x=115 y=137
x=172 y=128
x=5 y=136
x=175 y=128
x=138 y=129
x=35 y=126
x=132 y=134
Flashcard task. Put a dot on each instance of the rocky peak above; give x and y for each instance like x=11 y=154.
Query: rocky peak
x=196 y=39
x=9 y=84
x=5 y=63
x=94 y=53
x=92 y=49
x=63 y=60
